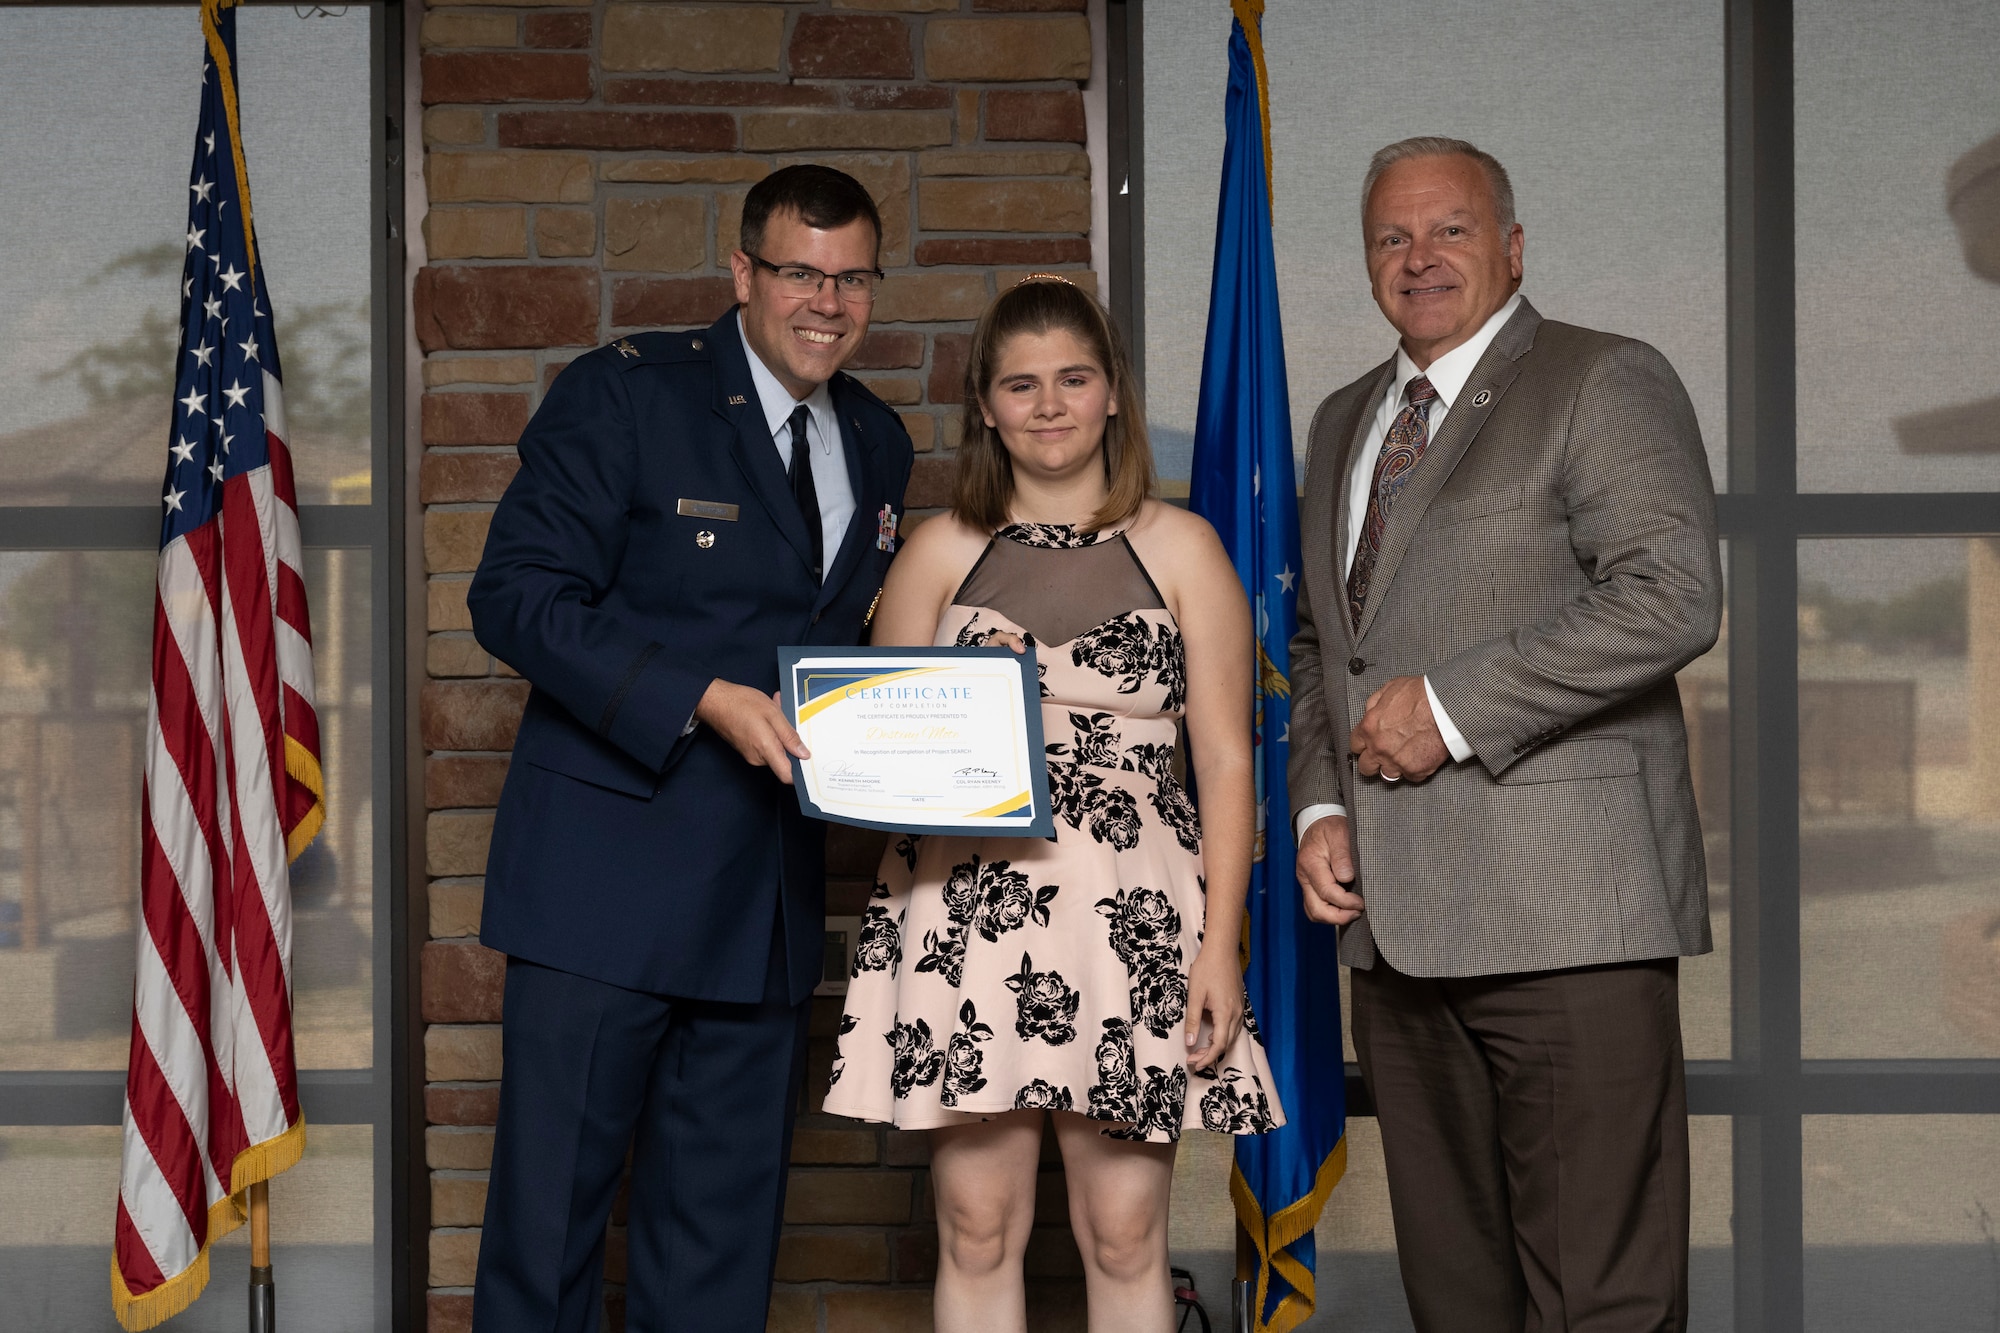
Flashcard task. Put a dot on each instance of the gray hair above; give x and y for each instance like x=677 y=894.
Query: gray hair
x=1434 y=145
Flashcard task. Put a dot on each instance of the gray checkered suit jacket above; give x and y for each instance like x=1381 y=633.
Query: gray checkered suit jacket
x=1549 y=566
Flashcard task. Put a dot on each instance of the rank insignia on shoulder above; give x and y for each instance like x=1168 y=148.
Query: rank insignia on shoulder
x=625 y=348
x=737 y=400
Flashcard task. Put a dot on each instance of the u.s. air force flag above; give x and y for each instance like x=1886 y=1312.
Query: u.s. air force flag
x=1243 y=483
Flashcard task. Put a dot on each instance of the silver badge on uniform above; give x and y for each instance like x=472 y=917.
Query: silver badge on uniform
x=707 y=509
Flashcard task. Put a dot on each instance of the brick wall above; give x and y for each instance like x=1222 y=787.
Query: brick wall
x=585 y=169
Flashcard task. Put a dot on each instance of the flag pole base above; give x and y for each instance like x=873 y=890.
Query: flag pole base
x=263 y=1301
x=1241 y=1294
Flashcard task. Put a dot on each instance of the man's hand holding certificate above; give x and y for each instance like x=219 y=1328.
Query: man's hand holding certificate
x=926 y=740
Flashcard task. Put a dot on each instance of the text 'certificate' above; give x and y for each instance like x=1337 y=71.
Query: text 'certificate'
x=925 y=740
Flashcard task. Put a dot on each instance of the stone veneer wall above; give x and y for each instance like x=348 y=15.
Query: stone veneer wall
x=586 y=167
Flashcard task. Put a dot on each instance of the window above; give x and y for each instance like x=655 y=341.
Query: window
x=101 y=112
x=1799 y=203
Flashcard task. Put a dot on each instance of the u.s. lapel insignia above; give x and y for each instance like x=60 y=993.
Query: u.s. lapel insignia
x=885 y=529
x=1482 y=398
x=736 y=400
x=625 y=347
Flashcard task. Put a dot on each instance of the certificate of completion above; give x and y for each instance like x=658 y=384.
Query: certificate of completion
x=926 y=740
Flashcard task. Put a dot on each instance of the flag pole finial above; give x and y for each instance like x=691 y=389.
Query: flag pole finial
x=1250 y=13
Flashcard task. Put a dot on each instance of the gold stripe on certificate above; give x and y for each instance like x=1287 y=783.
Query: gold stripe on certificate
x=826 y=701
x=1013 y=805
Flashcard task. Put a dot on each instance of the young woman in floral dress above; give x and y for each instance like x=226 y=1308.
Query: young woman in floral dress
x=1094 y=976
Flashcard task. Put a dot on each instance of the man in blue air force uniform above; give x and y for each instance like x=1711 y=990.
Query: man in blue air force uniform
x=687 y=502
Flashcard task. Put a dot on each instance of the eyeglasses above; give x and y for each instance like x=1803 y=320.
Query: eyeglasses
x=856 y=286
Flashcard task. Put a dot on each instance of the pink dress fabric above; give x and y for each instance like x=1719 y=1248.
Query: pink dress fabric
x=1000 y=974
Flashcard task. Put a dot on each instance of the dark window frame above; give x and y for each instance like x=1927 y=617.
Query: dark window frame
x=388 y=1096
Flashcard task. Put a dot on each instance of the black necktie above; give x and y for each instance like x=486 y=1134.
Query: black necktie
x=803 y=491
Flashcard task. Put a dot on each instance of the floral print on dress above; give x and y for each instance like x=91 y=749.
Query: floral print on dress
x=918 y=1062
x=1002 y=899
x=1044 y=1005
x=1115 y=1095
x=1114 y=817
x=963 y=1058
x=847 y=1024
x=945 y=955
x=1041 y=1095
x=1160 y=998
x=878 y=945
x=1054 y=536
x=1170 y=802
x=1161 y=1098
x=1123 y=648
x=1170 y=668
x=1153 y=761
x=1086 y=937
x=1069 y=786
x=1096 y=739
x=1144 y=928
x=1235 y=1104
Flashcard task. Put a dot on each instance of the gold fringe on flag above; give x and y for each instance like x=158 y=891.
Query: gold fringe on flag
x=303 y=767
x=259 y=1162
x=1272 y=1235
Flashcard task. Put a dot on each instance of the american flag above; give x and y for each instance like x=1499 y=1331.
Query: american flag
x=233 y=789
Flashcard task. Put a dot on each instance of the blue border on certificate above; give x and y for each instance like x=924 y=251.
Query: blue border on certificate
x=873 y=662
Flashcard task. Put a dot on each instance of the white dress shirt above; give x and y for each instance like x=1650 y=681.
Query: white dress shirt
x=1447 y=375
x=824 y=451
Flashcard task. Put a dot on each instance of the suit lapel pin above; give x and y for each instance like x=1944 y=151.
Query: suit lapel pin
x=704 y=539
x=625 y=347
x=736 y=400
x=1482 y=398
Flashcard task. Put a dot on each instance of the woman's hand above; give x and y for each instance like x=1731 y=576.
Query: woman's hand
x=1215 y=989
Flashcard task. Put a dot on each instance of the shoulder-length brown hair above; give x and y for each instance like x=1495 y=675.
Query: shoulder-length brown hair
x=983 y=490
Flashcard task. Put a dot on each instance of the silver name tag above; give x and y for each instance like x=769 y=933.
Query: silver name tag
x=707 y=509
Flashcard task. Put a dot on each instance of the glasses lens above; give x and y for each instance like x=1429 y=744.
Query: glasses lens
x=858 y=286
x=800 y=279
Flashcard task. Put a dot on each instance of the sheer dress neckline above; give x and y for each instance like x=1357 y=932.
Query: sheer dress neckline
x=1056 y=583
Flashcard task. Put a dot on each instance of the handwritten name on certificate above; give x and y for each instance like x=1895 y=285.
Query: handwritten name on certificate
x=924 y=740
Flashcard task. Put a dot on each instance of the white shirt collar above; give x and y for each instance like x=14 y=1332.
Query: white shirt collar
x=1449 y=372
x=778 y=403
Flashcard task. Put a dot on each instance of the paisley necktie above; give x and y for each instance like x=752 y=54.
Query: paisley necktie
x=1402 y=449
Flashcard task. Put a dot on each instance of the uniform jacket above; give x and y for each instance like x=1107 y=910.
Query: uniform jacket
x=648 y=545
x=1549 y=566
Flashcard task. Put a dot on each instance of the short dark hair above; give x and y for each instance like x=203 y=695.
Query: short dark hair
x=822 y=197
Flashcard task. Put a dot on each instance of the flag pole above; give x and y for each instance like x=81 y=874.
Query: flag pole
x=1243 y=1291
x=263 y=1291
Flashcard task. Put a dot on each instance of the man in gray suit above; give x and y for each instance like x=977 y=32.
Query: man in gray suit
x=1509 y=541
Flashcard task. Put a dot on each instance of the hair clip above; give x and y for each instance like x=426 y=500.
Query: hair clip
x=1050 y=277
